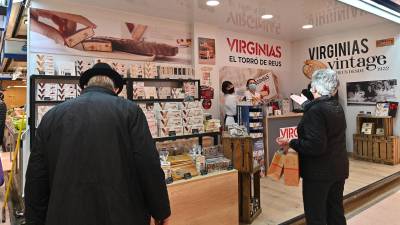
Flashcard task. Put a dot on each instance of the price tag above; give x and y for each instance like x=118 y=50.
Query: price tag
x=47 y=98
x=195 y=131
x=187 y=176
x=172 y=133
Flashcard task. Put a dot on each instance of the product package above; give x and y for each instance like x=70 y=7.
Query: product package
x=150 y=70
x=164 y=92
x=66 y=68
x=138 y=90
x=168 y=106
x=212 y=151
x=150 y=92
x=195 y=120
x=177 y=93
x=190 y=89
x=66 y=91
x=78 y=90
x=193 y=129
x=44 y=64
x=41 y=110
x=172 y=122
x=169 y=114
x=46 y=92
x=171 y=131
x=120 y=68
x=137 y=70
x=212 y=125
x=83 y=65
x=192 y=105
x=123 y=93
x=70 y=91
x=192 y=112
x=217 y=164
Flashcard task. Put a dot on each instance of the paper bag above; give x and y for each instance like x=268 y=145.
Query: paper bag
x=291 y=169
x=276 y=167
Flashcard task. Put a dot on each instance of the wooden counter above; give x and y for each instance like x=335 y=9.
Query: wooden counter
x=272 y=126
x=204 y=200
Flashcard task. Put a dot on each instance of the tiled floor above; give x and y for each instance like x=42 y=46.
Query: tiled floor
x=385 y=212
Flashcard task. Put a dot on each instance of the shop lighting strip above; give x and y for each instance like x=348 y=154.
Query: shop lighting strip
x=374 y=8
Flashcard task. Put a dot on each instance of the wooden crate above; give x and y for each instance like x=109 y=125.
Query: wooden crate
x=385 y=122
x=240 y=151
x=377 y=148
x=249 y=188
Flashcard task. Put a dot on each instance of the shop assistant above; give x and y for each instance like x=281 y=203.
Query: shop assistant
x=230 y=103
x=251 y=94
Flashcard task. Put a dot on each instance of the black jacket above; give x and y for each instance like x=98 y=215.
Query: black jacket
x=321 y=142
x=3 y=114
x=94 y=162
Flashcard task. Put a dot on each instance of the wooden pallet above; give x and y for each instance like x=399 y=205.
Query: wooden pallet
x=377 y=148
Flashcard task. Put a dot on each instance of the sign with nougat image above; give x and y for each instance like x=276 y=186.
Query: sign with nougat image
x=103 y=36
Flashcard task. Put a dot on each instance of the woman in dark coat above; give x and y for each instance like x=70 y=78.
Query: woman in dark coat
x=321 y=145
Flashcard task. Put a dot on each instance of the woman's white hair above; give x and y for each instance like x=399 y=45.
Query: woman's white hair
x=325 y=82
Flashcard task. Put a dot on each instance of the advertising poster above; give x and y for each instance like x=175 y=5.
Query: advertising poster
x=100 y=36
x=370 y=92
x=207 y=52
x=266 y=81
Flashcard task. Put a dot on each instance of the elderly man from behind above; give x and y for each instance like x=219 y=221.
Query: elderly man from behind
x=94 y=161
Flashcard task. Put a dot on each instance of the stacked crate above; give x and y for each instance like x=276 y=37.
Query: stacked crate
x=379 y=148
x=243 y=152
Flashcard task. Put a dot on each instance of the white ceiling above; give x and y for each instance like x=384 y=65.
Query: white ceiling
x=289 y=15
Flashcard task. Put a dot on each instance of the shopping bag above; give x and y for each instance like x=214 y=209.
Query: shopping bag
x=291 y=169
x=276 y=167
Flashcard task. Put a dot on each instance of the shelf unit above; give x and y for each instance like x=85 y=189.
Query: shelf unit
x=34 y=79
x=379 y=148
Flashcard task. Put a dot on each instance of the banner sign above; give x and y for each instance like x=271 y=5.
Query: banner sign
x=288 y=132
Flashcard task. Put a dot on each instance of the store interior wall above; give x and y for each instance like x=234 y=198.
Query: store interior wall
x=373 y=33
x=291 y=79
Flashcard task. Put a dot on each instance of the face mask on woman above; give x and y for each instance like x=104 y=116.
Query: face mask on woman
x=252 y=87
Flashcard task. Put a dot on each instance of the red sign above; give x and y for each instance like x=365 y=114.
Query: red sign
x=288 y=132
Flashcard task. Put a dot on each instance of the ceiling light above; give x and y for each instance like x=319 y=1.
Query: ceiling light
x=212 y=3
x=307 y=26
x=267 y=16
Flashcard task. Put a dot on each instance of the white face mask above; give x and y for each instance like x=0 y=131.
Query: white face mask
x=252 y=87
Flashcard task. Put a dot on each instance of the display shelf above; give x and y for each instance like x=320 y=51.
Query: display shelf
x=49 y=102
x=160 y=80
x=54 y=77
x=163 y=100
x=199 y=135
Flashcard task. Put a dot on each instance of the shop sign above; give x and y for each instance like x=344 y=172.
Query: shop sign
x=347 y=57
x=385 y=42
x=253 y=52
x=288 y=132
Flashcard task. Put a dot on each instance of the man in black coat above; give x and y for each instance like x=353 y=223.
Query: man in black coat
x=94 y=161
x=321 y=144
